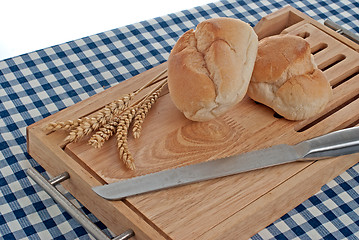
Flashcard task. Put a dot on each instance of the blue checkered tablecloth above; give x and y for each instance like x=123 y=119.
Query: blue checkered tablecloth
x=40 y=83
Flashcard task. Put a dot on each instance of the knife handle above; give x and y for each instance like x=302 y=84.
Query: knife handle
x=342 y=142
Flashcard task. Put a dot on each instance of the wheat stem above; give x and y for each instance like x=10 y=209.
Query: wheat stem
x=153 y=80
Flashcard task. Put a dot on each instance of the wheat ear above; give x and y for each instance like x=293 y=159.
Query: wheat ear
x=144 y=108
x=104 y=133
x=65 y=125
x=101 y=117
x=122 y=133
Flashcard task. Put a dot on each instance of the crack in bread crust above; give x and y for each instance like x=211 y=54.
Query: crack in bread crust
x=212 y=74
x=212 y=63
x=287 y=79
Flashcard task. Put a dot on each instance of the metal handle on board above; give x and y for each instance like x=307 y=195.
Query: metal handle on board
x=339 y=29
x=49 y=188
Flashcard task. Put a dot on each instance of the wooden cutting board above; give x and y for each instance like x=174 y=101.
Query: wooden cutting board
x=228 y=208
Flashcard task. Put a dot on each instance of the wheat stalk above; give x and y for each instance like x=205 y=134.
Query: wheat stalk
x=122 y=133
x=108 y=130
x=64 y=125
x=144 y=108
x=121 y=125
x=154 y=80
x=101 y=118
x=104 y=133
x=103 y=115
x=115 y=117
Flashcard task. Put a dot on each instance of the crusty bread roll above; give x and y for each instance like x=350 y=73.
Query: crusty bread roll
x=286 y=78
x=209 y=68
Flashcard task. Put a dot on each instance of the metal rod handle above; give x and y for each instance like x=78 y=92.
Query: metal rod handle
x=49 y=188
x=60 y=178
x=125 y=235
x=339 y=29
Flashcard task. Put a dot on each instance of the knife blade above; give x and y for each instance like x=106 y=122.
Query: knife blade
x=342 y=142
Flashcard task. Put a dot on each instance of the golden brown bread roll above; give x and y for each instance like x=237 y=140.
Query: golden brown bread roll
x=286 y=78
x=209 y=68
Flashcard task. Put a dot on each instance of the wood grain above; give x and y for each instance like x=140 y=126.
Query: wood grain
x=229 y=207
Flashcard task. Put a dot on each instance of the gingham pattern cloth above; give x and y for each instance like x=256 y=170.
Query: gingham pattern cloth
x=40 y=83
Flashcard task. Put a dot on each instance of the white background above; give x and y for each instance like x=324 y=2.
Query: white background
x=29 y=25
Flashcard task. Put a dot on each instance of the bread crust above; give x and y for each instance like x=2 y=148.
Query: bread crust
x=209 y=68
x=286 y=78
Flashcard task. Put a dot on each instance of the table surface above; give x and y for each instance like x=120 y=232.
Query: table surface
x=38 y=84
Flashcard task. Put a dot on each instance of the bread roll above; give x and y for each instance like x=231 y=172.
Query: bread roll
x=209 y=68
x=286 y=78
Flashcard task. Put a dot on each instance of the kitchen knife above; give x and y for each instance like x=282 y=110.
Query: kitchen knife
x=333 y=144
